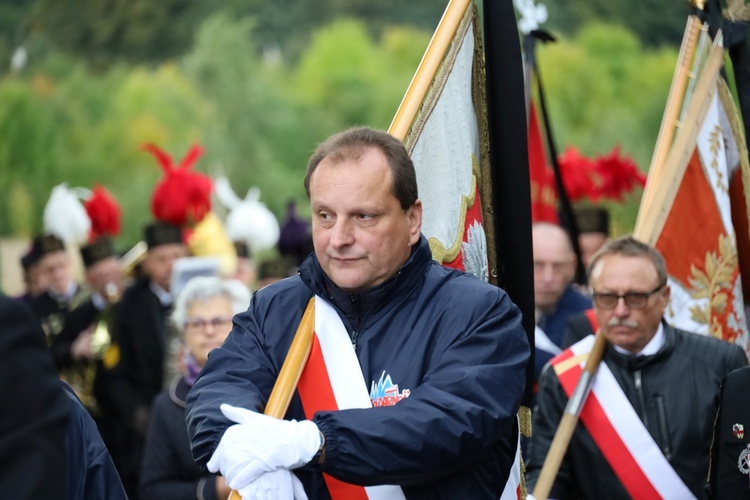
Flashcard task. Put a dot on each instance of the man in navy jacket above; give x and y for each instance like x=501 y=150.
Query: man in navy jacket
x=442 y=354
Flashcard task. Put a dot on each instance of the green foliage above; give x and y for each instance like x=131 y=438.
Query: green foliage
x=653 y=22
x=259 y=114
x=604 y=89
x=103 y=32
x=268 y=116
x=81 y=129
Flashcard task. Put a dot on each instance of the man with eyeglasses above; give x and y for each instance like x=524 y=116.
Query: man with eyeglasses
x=645 y=429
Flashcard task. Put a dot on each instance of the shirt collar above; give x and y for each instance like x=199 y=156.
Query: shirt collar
x=99 y=302
x=653 y=346
x=165 y=298
x=67 y=295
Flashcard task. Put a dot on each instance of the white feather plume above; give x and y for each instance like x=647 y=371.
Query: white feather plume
x=225 y=193
x=64 y=215
x=248 y=220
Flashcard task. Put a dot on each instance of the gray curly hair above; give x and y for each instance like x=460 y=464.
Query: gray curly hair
x=202 y=288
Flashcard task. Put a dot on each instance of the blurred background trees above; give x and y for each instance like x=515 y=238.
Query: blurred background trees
x=260 y=83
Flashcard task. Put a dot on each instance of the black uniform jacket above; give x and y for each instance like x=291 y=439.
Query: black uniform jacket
x=675 y=393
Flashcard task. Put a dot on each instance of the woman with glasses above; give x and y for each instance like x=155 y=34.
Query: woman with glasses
x=203 y=315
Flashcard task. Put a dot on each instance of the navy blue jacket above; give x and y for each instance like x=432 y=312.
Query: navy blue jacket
x=91 y=473
x=454 y=342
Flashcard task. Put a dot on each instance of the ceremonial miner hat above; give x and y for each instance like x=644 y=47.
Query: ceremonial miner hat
x=29 y=259
x=46 y=243
x=104 y=213
x=248 y=219
x=162 y=233
x=101 y=248
x=592 y=219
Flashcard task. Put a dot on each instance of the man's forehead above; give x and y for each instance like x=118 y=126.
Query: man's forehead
x=548 y=238
x=618 y=265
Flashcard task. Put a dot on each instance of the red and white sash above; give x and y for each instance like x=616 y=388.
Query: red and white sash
x=617 y=431
x=332 y=380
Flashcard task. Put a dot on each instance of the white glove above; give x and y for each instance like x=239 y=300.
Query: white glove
x=258 y=444
x=277 y=485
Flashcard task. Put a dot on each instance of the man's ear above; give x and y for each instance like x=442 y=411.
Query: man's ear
x=414 y=214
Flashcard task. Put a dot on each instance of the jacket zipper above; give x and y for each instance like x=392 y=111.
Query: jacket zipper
x=641 y=399
x=355 y=333
x=665 y=447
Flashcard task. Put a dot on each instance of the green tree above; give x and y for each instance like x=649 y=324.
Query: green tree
x=604 y=89
x=654 y=22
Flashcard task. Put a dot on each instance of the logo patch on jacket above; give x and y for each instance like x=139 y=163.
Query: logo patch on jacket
x=385 y=393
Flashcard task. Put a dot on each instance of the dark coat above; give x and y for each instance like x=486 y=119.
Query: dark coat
x=91 y=472
x=130 y=386
x=53 y=313
x=677 y=401
x=141 y=327
x=553 y=323
x=168 y=469
x=455 y=342
x=578 y=328
x=730 y=450
x=34 y=418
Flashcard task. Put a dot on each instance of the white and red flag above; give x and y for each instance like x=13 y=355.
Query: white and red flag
x=697 y=216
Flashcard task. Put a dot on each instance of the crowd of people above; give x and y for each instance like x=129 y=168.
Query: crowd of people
x=414 y=379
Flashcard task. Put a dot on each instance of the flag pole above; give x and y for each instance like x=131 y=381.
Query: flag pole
x=428 y=67
x=645 y=230
x=663 y=189
x=291 y=370
x=674 y=101
x=569 y=421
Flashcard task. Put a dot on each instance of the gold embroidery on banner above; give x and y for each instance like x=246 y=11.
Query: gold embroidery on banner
x=714 y=284
x=716 y=145
x=439 y=252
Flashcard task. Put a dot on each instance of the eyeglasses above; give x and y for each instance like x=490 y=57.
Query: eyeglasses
x=200 y=324
x=634 y=300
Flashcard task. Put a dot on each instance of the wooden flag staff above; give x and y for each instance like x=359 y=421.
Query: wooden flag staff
x=569 y=421
x=428 y=68
x=291 y=370
x=674 y=101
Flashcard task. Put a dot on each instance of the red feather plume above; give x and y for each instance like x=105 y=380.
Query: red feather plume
x=576 y=173
x=182 y=197
x=620 y=175
x=609 y=176
x=104 y=212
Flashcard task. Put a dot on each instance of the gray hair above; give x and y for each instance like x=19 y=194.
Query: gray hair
x=203 y=288
x=630 y=247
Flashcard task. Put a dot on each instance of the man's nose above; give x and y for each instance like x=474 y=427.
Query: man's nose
x=341 y=233
x=621 y=308
x=548 y=272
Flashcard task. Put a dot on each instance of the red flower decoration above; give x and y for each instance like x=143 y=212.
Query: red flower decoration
x=104 y=212
x=609 y=176
x=182 y=197
x=619 y=175
x=576 y=171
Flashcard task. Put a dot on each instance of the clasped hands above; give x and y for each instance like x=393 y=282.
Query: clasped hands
x=257 y=453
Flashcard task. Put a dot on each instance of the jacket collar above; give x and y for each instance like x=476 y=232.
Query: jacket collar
x=357 y=306
x=638 y=362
